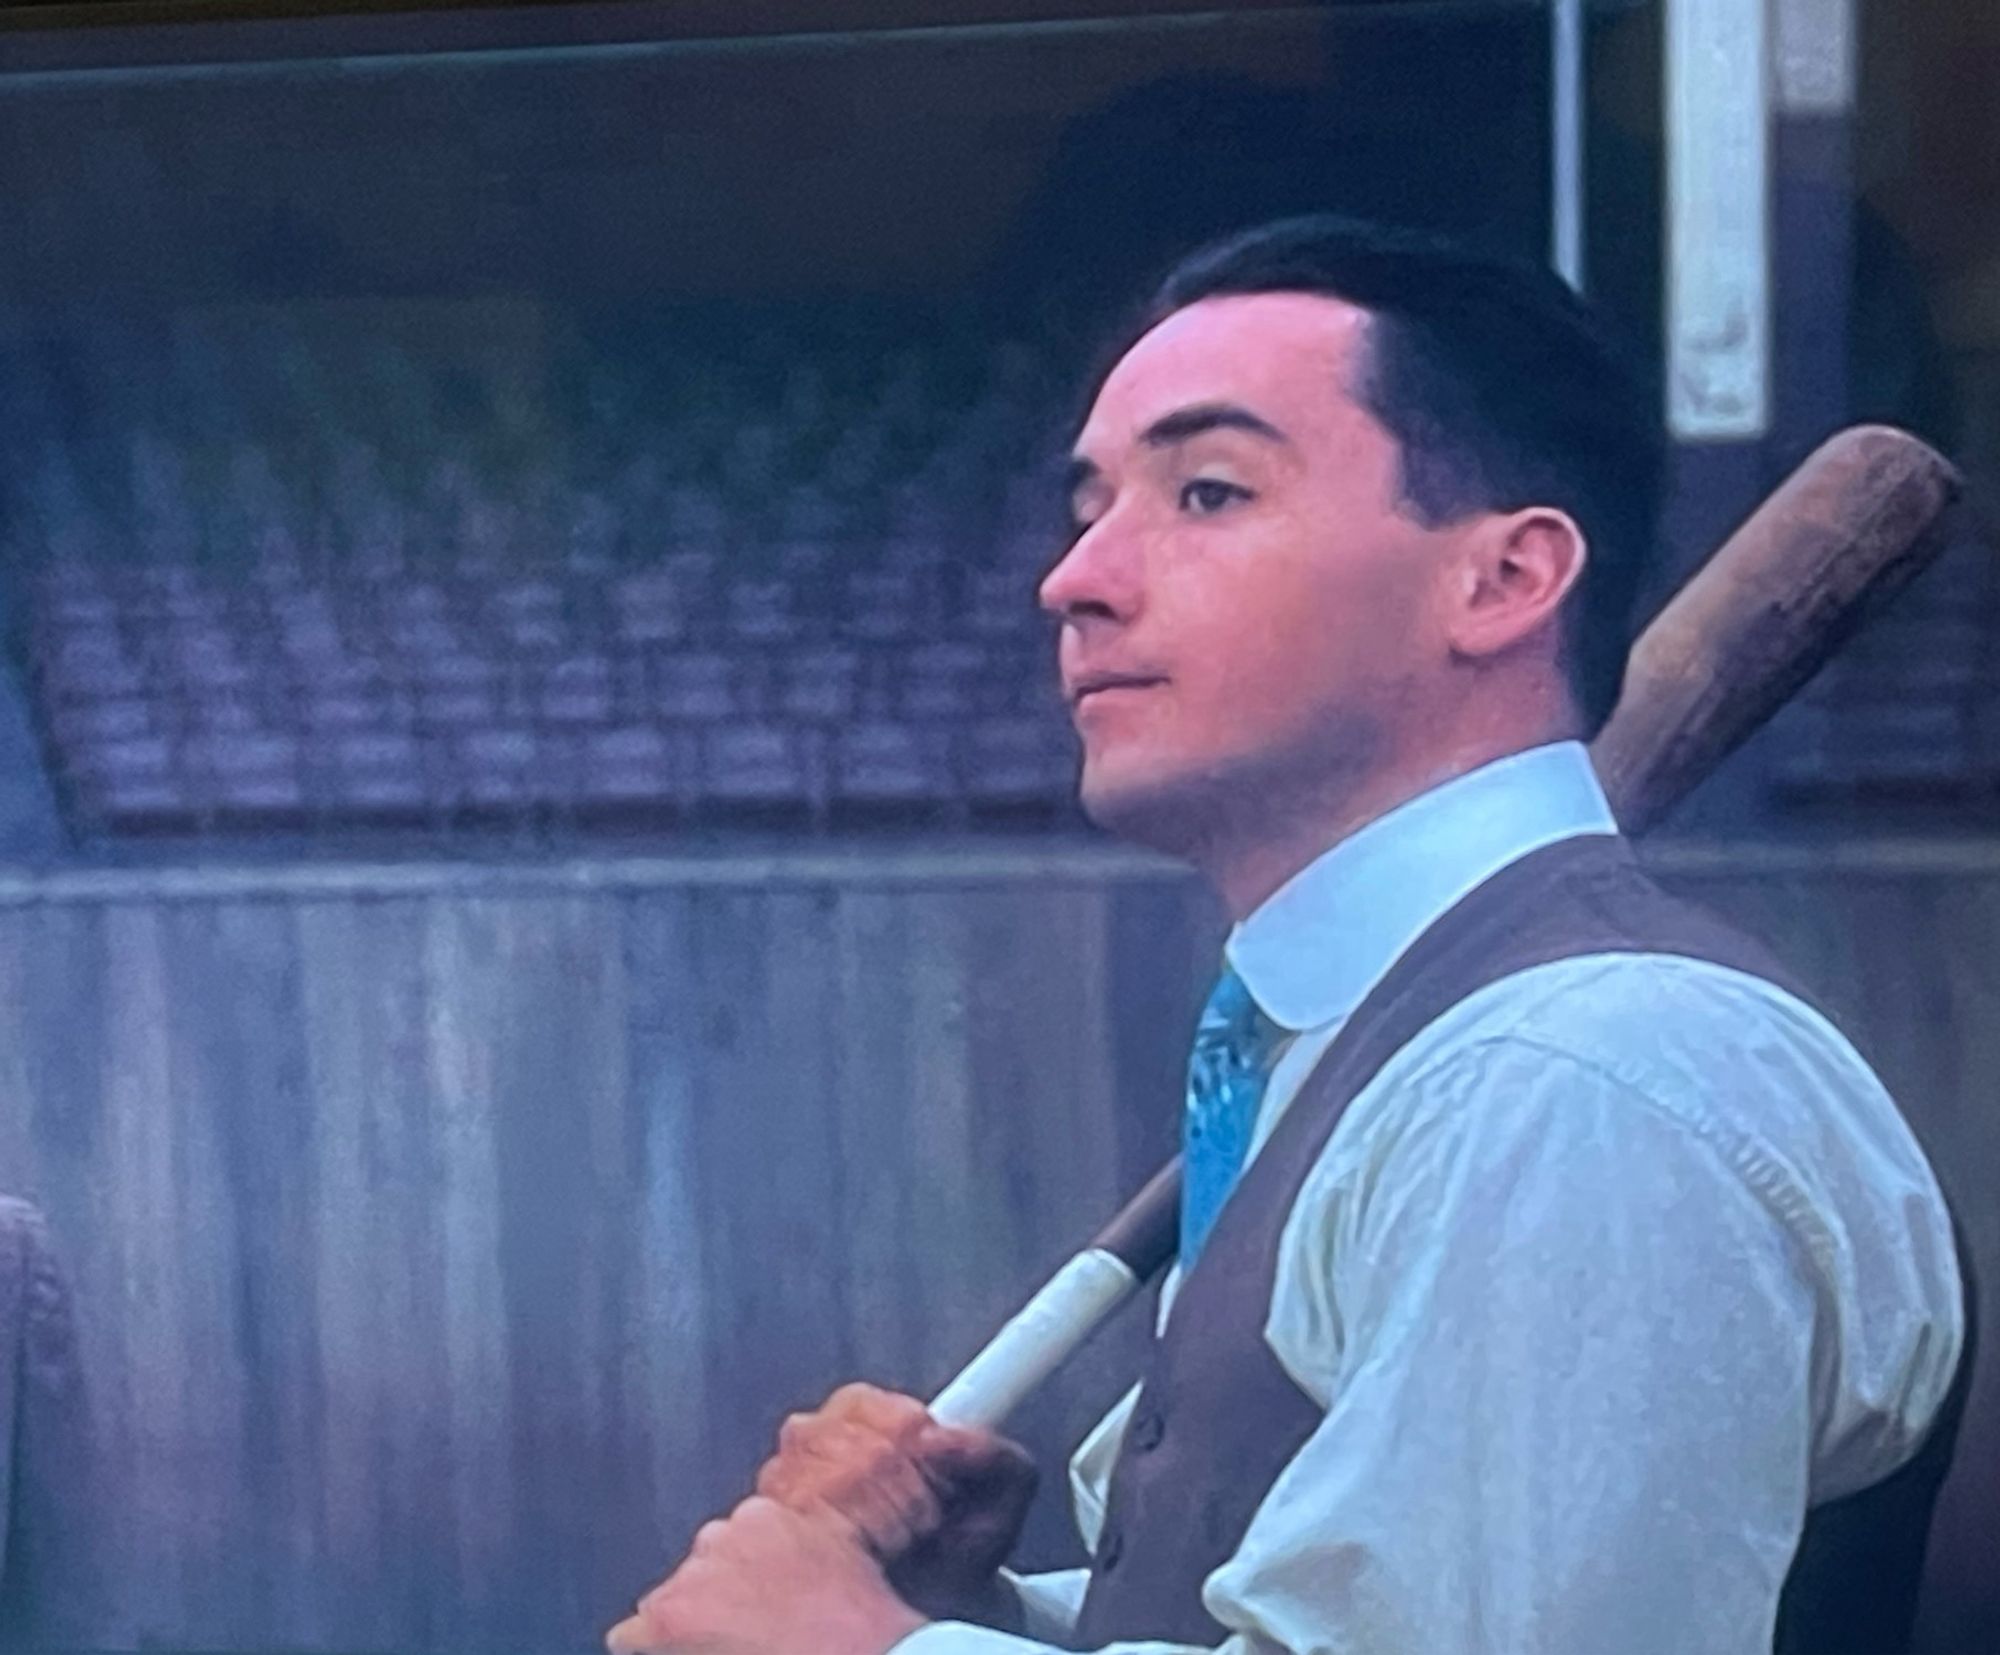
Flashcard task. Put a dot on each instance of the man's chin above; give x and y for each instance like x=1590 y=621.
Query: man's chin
x=1165 y=814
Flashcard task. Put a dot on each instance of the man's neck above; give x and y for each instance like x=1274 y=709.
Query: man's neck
x=1247 y=868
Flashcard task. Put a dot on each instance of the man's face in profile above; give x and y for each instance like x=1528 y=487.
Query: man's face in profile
x=1244 y=610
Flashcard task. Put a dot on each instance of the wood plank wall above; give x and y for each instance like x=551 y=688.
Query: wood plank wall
x=449 y=1242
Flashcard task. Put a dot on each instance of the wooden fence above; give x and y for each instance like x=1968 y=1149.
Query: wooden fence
x=449 y=1241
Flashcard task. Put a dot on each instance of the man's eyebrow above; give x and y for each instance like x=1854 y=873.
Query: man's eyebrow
x=1184 y=424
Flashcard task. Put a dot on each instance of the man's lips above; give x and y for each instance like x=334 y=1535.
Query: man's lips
x=1092 y=684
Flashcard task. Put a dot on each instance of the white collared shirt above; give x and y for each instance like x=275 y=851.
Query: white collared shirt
x=1522 y=1455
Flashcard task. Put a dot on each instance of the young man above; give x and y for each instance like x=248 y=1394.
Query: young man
x=1545 y=1262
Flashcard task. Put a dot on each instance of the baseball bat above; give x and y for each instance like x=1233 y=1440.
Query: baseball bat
x=1864 y=514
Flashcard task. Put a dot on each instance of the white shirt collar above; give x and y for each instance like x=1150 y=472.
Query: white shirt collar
x=1315 y=947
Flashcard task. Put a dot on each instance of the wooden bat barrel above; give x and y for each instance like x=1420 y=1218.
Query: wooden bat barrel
x=1854 y=525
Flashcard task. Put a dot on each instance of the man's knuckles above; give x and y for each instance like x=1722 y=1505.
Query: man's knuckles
x=818 y=1435
x=857 y=1395
x=759 y=1518
x=755 y=1518
x=659 y=1607
x=667 y=1618
x=822 y=1458
x=889 y=1412
x=886 y=1499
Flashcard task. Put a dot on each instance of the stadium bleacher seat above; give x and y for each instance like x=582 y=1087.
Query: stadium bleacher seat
x=885 y=763
x=1016 y=761
x=703 y=686
x=579 y=689
x=820 y=686
x=767 y=611
x=950 y=679
x=747 y=762
x=637 y=764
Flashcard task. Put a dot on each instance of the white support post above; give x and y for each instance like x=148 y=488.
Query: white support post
x=1566 y=152
x=1718 y=219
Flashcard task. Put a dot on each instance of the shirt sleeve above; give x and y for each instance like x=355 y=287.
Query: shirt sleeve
x=1568 y=1354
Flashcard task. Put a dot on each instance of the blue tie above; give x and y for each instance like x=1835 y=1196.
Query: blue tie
x=1234 y=1046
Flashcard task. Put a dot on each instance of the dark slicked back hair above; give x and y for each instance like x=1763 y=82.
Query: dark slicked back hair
x=1502 y=389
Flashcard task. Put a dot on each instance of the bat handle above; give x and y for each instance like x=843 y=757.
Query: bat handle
x=1072 y=1305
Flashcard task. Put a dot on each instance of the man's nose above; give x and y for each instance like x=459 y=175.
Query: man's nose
x=1098 y=577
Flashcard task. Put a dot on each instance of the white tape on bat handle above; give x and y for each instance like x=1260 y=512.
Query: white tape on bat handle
x=1071 y=1306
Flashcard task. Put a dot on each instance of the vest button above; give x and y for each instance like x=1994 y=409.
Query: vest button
x=1147 y=1430
x=1109 y=1553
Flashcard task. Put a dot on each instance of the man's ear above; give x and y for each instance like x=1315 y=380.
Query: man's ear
x=1513 y=572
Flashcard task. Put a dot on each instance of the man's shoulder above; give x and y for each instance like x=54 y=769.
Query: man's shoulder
x=1727 y=1054
x=1630 y=1001
x=1599 y=1066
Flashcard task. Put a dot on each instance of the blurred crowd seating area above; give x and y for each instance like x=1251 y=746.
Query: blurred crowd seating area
x=728 y=565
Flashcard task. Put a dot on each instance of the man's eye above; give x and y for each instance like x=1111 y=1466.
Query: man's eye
x=1206 y=495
